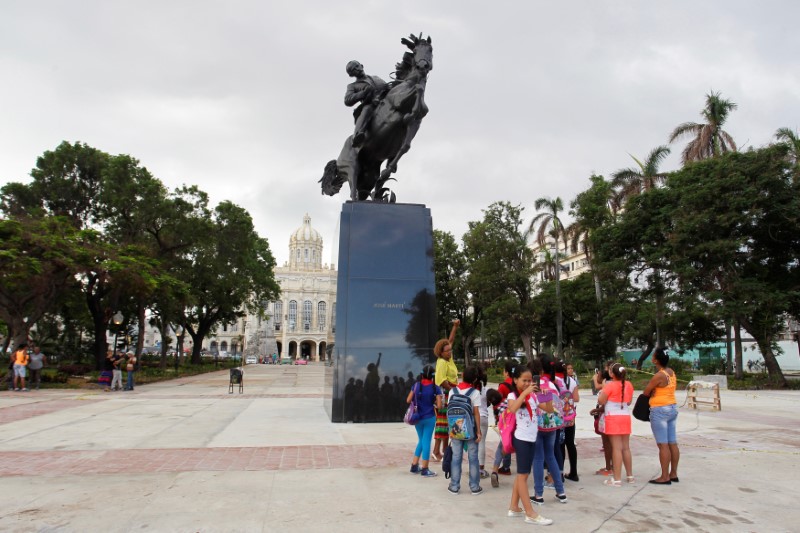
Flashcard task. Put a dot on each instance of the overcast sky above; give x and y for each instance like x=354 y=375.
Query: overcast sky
x=527 y=99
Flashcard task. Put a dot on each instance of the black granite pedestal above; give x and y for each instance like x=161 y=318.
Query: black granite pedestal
x=385 y=310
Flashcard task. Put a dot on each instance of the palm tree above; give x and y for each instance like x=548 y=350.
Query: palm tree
x=710 y=140
x=632 y=181
x=791 y=139
x=548 y=224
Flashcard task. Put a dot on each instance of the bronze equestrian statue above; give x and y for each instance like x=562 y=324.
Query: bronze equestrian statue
x=386 y=121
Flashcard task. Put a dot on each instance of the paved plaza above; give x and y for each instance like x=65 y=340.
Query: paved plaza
x=187 y=456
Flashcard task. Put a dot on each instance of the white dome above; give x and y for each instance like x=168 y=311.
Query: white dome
x=305 y=233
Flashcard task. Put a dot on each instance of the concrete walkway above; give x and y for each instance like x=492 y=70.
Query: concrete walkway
x=187 y=456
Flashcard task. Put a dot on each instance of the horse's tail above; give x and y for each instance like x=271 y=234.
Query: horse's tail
x=331 y=180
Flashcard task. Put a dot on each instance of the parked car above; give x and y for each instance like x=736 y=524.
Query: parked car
x=300 y=362
x=286 y=361
x=251 y=360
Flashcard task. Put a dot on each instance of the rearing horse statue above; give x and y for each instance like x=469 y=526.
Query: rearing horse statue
x=394 y=122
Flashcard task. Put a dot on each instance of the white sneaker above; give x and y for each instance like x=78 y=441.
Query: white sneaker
x=513 y=514
x=539 y=520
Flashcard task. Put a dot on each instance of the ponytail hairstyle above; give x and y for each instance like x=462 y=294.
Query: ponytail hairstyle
x=493 y=397
x=620 y=373
x=428 y=372
x=509 y=366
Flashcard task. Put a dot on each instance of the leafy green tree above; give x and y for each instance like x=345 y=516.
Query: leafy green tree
x=37 y=258
x=450 y=267
x=547 y=224
x=229 y=271
x=736 y=240
x=593 y=209
x=708 y=138
x=790 y=138
x=500 y=265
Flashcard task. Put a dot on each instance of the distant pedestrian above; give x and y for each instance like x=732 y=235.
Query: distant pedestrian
x=130 y=369
x=36 y=364
x=429 y=398
x=275 y=358
x=116 y=371
x=20 y=366
x=664 y=417
x=503 y=389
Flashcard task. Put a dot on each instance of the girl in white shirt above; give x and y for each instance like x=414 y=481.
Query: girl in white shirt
x=522 y=402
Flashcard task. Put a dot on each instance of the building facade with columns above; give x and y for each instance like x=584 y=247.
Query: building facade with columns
x=303 y=321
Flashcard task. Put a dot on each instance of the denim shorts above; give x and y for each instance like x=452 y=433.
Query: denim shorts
x=663 y=421
x=524 y=450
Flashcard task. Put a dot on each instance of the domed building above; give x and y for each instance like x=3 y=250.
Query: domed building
x=300 y=324
x=303 y=320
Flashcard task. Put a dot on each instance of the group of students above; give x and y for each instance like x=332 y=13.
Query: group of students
x=542 y=397
x=544 y=411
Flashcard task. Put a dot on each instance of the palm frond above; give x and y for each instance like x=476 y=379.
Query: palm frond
x=687 y=128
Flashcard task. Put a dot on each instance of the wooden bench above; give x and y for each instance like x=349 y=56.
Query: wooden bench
x=704 y=393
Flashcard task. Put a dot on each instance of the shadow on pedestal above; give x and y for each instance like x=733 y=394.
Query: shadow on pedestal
x=385 y=310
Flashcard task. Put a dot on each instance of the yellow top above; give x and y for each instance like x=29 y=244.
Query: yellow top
x=21 y=357
x=446 y=370
x=665 y=395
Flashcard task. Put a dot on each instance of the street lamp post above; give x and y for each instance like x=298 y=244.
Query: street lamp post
x=117 y=319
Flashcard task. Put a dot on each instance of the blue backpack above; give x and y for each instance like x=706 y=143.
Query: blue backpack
x=460 y=417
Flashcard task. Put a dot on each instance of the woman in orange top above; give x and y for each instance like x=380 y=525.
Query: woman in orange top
x=616 y=397
x=664 y=417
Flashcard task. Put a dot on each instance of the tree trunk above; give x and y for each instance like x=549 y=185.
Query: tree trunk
x=559 y=332
x=526 y=345
x=645 y=354
x=764 y=341
x=737 y=339
x=140 y=312
x=728 y=346
x=163 y=330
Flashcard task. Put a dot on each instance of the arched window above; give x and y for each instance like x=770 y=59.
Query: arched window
x=333 y=318
x=307 y=315
x=213 y=346
x=277 y=314
x=292 y=315
x=223 y=347
x=306 y=255
x=321 y=315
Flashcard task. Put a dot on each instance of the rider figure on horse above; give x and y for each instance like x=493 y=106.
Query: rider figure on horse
x=369 y=90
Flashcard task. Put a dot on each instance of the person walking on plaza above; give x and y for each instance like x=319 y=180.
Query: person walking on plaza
x=616 y=398
x=446 y=378
x=35 y=365
x=116 y=371
x=664 y=417
x=130 y=368
x=522 y=402
x=20 y=366
x=429 y=398
x=469 y=445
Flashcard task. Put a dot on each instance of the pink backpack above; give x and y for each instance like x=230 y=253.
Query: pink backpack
x=506 y=425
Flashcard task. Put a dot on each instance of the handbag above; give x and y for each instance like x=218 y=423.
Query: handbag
x=641 y=409
x=412 y=413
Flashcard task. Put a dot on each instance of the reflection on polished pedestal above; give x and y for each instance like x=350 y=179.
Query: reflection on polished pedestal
x=385 y=313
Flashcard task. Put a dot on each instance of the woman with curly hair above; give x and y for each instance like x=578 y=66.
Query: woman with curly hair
x=446 y=377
